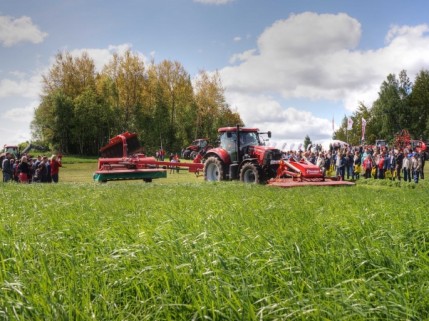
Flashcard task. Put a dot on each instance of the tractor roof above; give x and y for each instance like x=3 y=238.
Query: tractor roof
x=233 y=129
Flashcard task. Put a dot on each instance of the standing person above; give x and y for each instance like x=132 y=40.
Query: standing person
x=381 y=166
x=328 y=163
x=320 y=162
x=398 y=168
x=406 y=165
x=341 y=165
x=14 y=164
x=6 y=168
x=422 y=160
x=43 y=173
x=55 y=168
x=356 y=165
x=350 y=165
x=23 y=170
x=337 y=157
x=391 y=164
x=416 y=165
x=367 y=166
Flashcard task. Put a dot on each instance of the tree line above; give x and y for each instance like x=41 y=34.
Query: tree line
x=401 y=104
x=81 y=109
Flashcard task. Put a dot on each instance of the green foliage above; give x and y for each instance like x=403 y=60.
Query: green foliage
x=307 y=142
x=400 y=105
x=420 y=103
x=82 y=109
x=223 y=251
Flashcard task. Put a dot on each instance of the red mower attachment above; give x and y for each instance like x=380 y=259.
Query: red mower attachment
x=292 y=173
x=122 y=159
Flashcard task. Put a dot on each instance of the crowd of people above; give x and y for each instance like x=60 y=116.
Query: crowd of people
x=366 y=162
x=31 y=170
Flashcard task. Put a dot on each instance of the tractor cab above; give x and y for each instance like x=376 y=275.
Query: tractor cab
x=11 y=149
x=241 y=154
x=247 y=138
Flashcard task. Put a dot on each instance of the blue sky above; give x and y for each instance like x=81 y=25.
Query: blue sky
x=287 y=66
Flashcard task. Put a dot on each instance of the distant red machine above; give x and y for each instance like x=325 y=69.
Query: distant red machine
x=122 y=159
x=196 y=146
x=403 y=141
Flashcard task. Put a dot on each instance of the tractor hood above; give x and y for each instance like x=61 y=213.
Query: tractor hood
x=264 y=154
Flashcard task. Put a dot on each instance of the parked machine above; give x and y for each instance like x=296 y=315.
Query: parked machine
x=403 y=141
x=197 y=145
x=11 y=149
x=16 y=153
x=122 y=159
x=242 y=154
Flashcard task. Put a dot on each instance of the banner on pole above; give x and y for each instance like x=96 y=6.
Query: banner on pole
x=349 y=123
x=363 y=128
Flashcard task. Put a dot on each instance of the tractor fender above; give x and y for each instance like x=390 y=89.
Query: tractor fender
x=219 y=153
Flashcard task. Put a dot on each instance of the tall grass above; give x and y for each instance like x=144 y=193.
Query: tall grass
x=225 y=251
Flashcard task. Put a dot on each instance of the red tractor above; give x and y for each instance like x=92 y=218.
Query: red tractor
x=242 y=155
x=197 y=145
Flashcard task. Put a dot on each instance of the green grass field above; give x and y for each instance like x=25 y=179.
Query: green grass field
x=183 y=249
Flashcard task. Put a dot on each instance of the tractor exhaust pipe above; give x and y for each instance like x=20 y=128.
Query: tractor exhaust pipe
x=238 y=145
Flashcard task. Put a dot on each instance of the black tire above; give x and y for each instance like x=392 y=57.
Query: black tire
x=193 y=155
x=186 y=154
x=214 y=170
x=251 y=173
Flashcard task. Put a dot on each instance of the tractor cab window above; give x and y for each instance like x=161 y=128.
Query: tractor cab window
x=248 y=139
x=228 y=140
x=203 y=143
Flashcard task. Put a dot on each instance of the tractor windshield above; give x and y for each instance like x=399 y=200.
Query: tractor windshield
x=249 y=139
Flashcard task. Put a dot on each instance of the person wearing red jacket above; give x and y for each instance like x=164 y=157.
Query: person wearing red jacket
x=367 y=166
x=55 y=168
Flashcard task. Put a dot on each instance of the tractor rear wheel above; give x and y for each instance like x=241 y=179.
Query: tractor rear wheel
x=251 y=173
x=213 y=170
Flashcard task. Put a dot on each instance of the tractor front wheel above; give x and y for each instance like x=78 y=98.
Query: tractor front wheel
x=213 y=169
x=251 y=173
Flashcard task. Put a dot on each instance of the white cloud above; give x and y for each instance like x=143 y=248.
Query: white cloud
x=13 y=136
x=315 y=56
x=312 y=56
x=286 y=123
x=23 y=115
x=237 y=39
x=16 y=30
x=242 y=56
x=15 y=124
x=28 y=87
x=213 y=1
